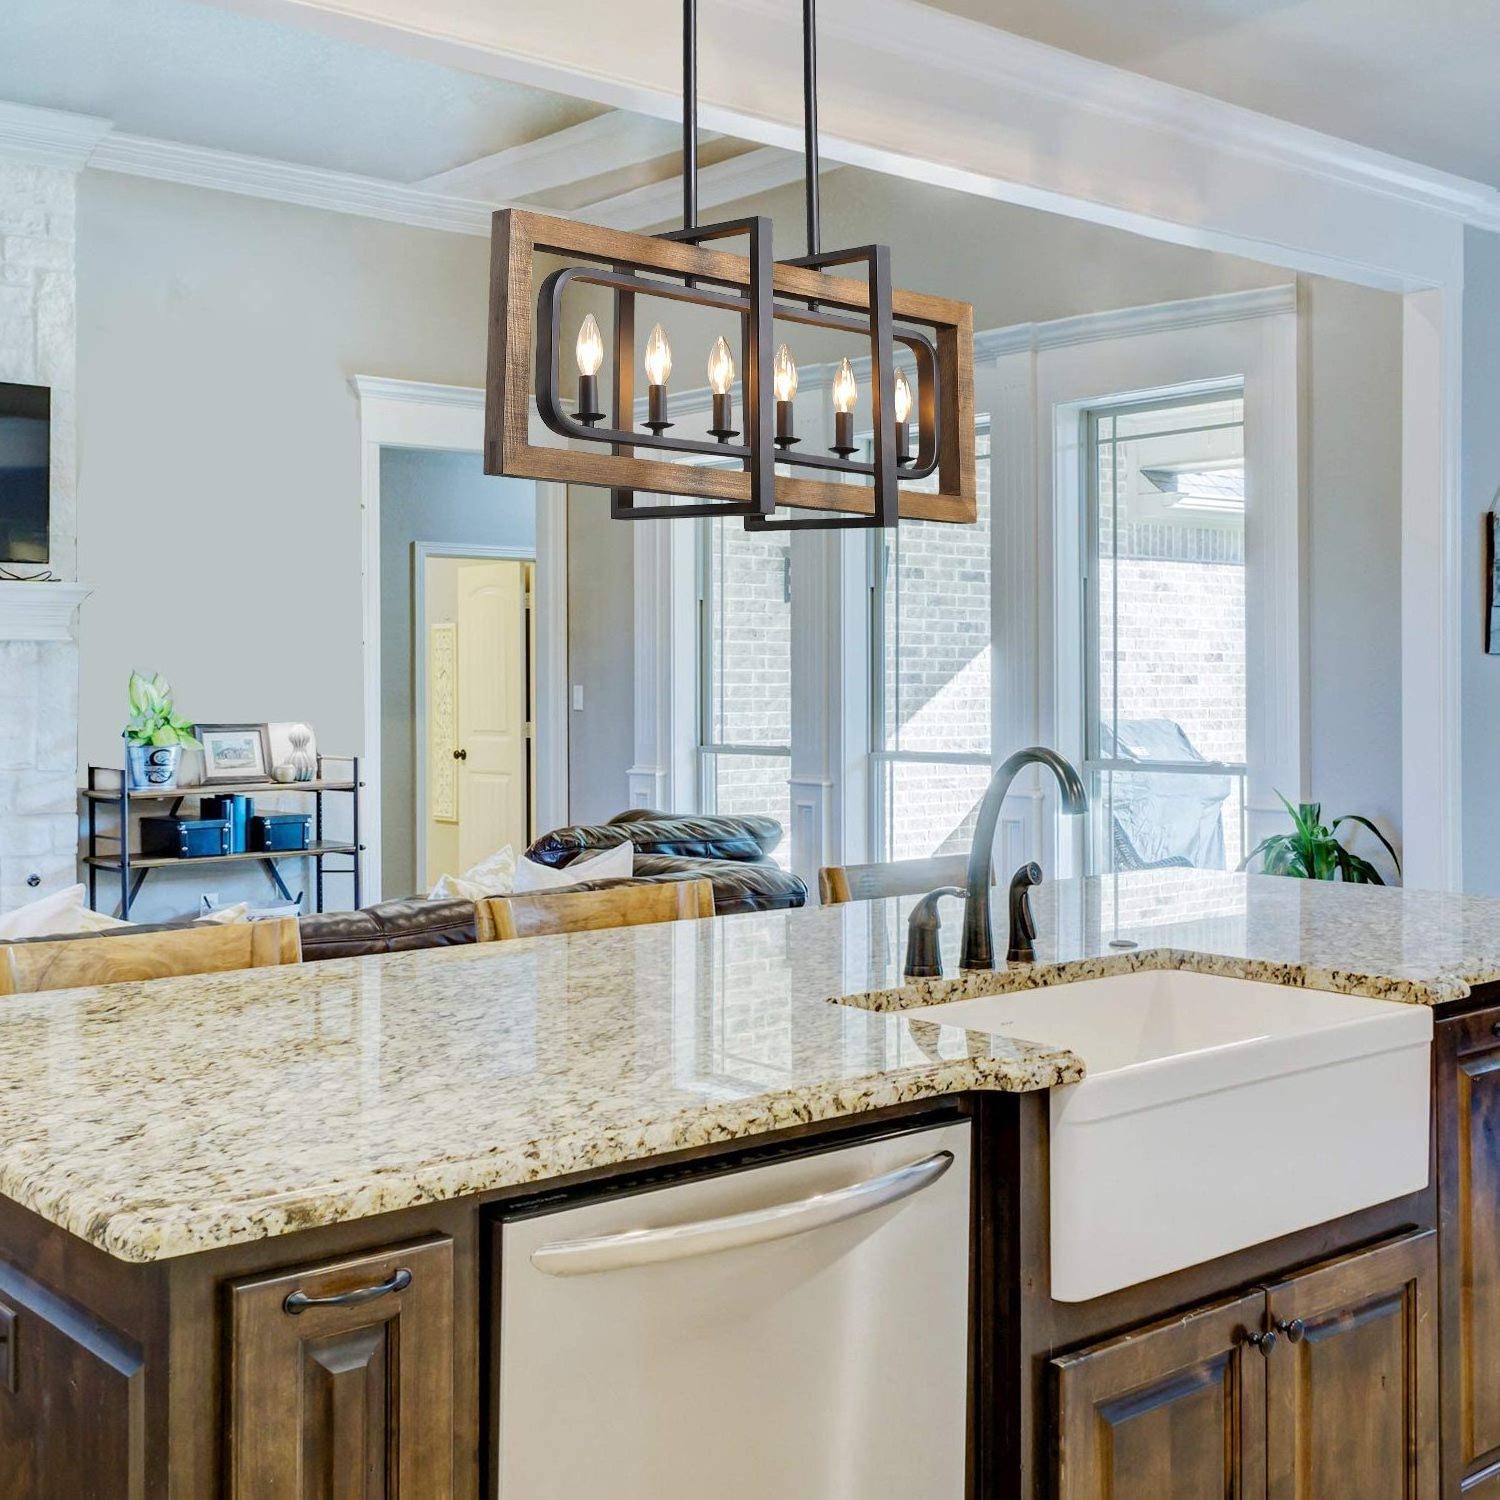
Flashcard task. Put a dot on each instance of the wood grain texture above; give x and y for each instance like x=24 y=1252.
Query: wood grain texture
x=1352 y=1404
x=344 y=1403
x=1467 y=1066
x=897 y=877
x=1174 y=1411
x=519 y=235
x=66 y=963
x=538 y=913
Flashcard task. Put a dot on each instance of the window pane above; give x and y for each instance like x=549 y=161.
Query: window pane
x=749 y=687
x=933 y=617
x=740 y=785
x=1167 y=614
x=929 y=807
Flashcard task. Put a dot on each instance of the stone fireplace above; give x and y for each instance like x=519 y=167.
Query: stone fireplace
x=38 y=637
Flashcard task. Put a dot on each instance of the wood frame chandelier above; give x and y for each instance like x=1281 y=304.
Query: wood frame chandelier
x=736 y=472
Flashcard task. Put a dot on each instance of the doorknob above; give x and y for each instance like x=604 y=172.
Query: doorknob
x=460 y=755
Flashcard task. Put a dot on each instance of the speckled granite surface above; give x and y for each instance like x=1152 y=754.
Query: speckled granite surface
x=158 y=1120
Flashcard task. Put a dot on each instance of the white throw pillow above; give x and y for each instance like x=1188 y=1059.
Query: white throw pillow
x=495 y=875
x=225 y=916
x=609 y=864
x=61 y=914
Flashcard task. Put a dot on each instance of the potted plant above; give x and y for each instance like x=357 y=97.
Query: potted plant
x=1312 y=850
x=156 y=733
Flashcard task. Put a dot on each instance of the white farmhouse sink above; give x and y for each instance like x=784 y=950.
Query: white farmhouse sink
x=1214 y=1114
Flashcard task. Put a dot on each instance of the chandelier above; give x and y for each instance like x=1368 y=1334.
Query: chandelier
x=763 y=468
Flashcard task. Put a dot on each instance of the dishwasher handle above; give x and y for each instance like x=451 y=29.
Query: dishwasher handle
x=646 y=1247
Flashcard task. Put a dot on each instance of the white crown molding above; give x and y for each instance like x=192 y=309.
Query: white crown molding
x=420 y=392
x=285 y=182
x=48 y=137
x=752 y=172
x=39 y=611
x=611 y=142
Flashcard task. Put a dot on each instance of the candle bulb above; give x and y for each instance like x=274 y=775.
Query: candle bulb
x=903 y=418
x=590 y=357
x=845 y=394
x=720 y=378
x=784 y=381
x=658 y=367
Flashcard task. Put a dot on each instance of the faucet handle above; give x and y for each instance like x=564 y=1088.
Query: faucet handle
x=923 y=959
x=1022 y=923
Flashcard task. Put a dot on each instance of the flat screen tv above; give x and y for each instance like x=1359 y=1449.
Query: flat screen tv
x=25 y=501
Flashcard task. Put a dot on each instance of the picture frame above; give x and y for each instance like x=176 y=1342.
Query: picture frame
x=234 y=753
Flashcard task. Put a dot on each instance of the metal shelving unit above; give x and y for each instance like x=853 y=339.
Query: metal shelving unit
x=108 y=788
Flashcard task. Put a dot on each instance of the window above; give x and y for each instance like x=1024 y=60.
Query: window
x=745 y=664
x=1164 y=659
x=930 y=693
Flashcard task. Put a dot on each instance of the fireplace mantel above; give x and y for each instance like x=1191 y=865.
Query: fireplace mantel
x=39 y=611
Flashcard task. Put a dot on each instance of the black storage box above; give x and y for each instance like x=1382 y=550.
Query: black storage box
x=185 y=838
x=274 y=833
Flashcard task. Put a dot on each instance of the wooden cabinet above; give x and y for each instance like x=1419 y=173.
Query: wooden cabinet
x=1320 y=1387
x=341 y=1379
x=1468 y=1127
x=72 y=1400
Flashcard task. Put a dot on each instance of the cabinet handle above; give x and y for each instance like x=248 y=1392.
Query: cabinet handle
x=1294 y=1330
x=299 y=1301
x=1265 y=1342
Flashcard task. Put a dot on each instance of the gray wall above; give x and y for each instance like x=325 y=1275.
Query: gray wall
x=219 y=470
x=1481 y=492
x=426 y=496
x=1351 y=345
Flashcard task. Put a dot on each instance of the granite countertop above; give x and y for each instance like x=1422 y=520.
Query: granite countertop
x=162 y=1119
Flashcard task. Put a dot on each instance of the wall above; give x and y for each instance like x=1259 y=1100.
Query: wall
x=39 y=679
x=1481 y=493
x=219 y=470
x=430 y=497
x=1352 y=503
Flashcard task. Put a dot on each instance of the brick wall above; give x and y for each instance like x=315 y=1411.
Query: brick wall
x=39 y=679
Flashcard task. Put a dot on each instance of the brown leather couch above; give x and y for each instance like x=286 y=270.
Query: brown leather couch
x=732 y=854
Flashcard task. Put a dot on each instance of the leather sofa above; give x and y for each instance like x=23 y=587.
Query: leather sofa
x=732 y=854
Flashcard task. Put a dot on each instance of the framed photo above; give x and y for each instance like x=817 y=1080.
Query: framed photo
x=234 y=752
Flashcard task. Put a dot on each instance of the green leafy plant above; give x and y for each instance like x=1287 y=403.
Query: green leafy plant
x=1312 y=850
x=153 y=719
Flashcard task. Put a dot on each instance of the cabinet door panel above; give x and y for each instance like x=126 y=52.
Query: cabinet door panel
x=1469 y=1205
x=1175 y=1411
x=352 y=1401
x=1352 y=1381
x=72 y=1401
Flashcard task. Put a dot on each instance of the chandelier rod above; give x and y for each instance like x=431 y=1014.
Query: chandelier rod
x=810 y=122
x=689 y=114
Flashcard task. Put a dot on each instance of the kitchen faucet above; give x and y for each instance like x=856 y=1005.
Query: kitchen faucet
x=978 y=950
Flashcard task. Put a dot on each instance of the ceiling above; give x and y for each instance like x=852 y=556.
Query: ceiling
x=1417 y=78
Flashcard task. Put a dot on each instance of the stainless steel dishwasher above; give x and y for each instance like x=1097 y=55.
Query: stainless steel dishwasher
x=796 y=1330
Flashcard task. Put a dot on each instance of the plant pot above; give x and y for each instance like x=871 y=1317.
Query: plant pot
x=153 y=766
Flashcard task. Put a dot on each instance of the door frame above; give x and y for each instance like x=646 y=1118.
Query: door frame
x=450 y=418
x=420 y=552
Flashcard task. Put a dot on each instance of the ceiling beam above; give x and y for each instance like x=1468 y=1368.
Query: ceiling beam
x=753 y=172
x=611 y=142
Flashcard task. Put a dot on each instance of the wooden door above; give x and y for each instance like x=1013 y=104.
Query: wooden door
x=72 y=1400
x=492 y=676
x=1174 y=1411
x=1468 y=1128
x=1351 y=1395
x=349 y=1398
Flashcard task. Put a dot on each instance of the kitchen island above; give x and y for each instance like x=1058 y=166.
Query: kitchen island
x=181 y=1161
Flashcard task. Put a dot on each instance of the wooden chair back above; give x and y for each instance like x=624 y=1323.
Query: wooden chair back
x=538 y=913
x=898 y=877
x=66 y=963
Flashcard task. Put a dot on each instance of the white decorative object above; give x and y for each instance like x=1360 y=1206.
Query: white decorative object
x=302 y=760
x=292 y=746
x=442 y=721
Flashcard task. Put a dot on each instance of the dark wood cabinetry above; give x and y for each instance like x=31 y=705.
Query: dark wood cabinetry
x=341 y=1379
x=1319 y=1387
x=72 y=1400
x=1468 y=1113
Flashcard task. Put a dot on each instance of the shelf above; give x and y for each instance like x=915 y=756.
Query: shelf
x=239 y=788
x=164 y=861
